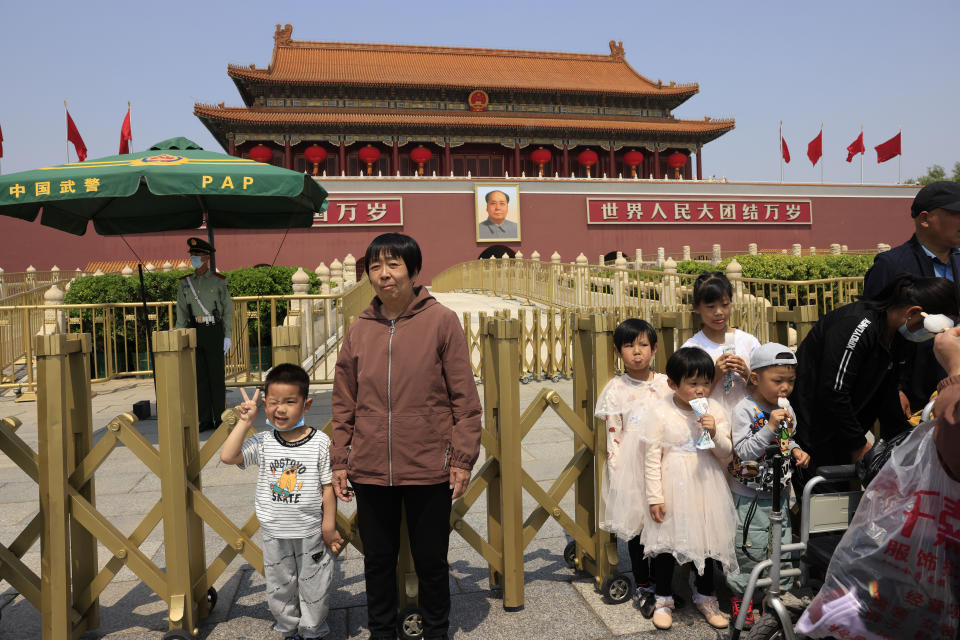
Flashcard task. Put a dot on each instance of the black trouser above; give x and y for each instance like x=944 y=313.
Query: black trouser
x=663 y=566
x=211 y=386
x=641 y=566
x=428 y=525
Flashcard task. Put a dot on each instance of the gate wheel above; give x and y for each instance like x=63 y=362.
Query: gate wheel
x=617 y=588
x=410 y=625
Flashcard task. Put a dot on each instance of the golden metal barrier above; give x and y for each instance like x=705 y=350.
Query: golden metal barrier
x=70 y=526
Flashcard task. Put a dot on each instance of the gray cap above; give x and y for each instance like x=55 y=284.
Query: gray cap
x=771 y=354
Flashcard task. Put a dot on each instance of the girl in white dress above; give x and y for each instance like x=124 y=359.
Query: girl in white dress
x=621 y=405
x=730 y=348
x=692 y=517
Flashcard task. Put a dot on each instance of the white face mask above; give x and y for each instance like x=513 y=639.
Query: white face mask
x=196 y=262
x=932 y=325
x=276 y=428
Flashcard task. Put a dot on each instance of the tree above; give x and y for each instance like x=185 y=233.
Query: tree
x=937 y=173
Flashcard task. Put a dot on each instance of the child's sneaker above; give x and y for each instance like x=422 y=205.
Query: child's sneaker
x=708 y=606
x=735 y=603
x=645 y=600
x=663 y=612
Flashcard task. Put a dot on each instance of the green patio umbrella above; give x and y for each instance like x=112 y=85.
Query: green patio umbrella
x=173 y=185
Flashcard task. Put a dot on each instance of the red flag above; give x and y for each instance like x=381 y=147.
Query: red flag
x=126 y=134
x=1 y=142
x=73 y=135
x=815 y=148
x=889 y=149
x=856 y=147
x=784 y=151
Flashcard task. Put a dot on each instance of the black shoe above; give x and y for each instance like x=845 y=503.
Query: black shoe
x=647 y=603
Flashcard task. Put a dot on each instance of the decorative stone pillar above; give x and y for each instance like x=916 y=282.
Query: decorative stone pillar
x=166 y=267
x=79 y=272
x=149 y=267
x=555 y=258
x=336 y=274
x=183 y=264
x=533 y=256
x=126 y=272
x=797 y=250
x=834 y=249
x=54 y=274
x=686 y=252
x=661 y=256
x=735 y=276
x=843 y=248
x=518 y=256
x=669 y=294
x=638 y=257
x=752 y=249
x=716 y=254
x=583 y=280
x=813 y=251
x=882 y=246
x=54 y=320
x=3 y=284
x=31 y=277
x=349 y=270
x=98 y=272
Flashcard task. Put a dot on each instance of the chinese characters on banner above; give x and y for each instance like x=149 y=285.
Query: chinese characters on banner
x=361 y=212
x=690 y=211
x=934 y=564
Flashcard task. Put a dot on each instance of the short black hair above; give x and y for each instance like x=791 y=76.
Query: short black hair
x=486 y=198
x=630 y=329
x=287 y=373
x=395 y=245
x=689 y=362
x=711 y=286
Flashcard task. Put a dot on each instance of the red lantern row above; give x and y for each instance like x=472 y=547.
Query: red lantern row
x=261 y=153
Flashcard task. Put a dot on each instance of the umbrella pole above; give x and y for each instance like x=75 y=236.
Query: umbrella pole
x=146 y=323
x=206 y=218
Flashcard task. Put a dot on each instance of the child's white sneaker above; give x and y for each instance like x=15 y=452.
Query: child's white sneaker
x=708 y=606
x=663 y=613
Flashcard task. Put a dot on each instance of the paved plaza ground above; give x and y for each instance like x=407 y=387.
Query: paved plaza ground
x=560 y=603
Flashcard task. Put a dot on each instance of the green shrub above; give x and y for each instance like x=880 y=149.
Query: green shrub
x=788 y=267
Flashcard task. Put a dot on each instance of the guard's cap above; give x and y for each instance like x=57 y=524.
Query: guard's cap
x=200 y=246
x=772 y=354
x=937 y=195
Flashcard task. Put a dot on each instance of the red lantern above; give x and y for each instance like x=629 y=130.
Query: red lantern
x=261 y=153
x=421 y=156
x=540 y=157
x=587 y=159
x=675 y=161
x=368 y=155
x=315 y=155
x=633 y=158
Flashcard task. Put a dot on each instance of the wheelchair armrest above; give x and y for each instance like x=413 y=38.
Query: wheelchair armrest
x=838 y=472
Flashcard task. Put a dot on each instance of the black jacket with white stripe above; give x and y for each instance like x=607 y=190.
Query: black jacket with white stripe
x=846 y=380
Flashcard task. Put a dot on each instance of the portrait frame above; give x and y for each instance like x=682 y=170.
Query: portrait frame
x=481 y=221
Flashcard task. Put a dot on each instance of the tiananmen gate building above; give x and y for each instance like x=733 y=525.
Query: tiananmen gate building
x=391 y=109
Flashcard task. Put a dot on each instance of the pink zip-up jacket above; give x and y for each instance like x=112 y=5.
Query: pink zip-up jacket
x=405 y=402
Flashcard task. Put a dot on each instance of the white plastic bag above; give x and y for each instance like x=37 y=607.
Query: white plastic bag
x=896 y=572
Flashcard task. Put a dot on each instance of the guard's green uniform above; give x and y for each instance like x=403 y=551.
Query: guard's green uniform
x=211 y=325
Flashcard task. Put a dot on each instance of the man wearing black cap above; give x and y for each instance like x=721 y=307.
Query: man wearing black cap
x=204 y=304
x=936 y=218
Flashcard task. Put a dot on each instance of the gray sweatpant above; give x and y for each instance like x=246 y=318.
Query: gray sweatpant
x=298 y=574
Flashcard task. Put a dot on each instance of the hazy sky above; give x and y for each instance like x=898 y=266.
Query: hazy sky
x=880 y=63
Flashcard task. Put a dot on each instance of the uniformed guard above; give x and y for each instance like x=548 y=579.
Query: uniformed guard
x=204 y=304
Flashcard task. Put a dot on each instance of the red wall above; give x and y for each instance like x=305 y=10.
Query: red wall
x=440 y=215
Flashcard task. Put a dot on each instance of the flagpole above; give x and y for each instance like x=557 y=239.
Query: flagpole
x=900 y=158
x=862 y=153
x=780 y=144
x=821 y=152
x=67 y=144
x=131 y=127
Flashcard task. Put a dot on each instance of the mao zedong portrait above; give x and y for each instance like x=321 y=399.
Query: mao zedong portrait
x=496 y=226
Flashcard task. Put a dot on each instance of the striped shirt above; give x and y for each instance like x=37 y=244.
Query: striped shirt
x=289 y=494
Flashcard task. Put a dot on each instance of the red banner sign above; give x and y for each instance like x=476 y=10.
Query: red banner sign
x=361 y=212
x=690 y=211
